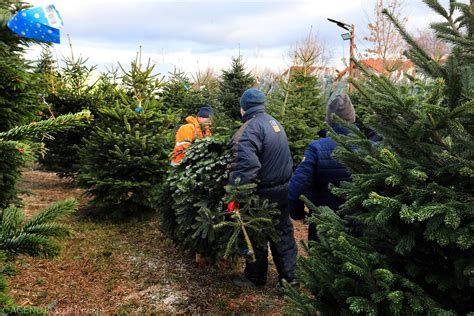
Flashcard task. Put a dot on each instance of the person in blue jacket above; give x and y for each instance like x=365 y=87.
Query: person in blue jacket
x=318 y=169
x=260 y=153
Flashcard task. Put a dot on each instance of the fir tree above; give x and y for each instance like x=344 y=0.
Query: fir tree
x=192 y=205
x=231 y=86
x=70 y=92
x=175 y=92
x=184 y=97
x=19 y=103
x=126 y=156
x=20 y=145
x=299 y=106
x=47 y=73
x=298 y=102
x=405 y=245
x=39 y=235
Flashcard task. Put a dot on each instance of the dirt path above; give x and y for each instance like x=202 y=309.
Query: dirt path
x=126 y=268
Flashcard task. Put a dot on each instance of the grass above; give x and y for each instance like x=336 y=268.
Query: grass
x=120 y=268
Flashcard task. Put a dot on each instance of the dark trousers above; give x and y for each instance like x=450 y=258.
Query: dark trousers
x=284 y=251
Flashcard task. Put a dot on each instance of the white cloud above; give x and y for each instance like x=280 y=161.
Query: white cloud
x=194 y=34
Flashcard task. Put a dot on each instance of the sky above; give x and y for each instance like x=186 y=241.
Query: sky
x=193 y=35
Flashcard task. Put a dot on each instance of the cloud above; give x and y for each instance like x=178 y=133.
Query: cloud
x=194 y=34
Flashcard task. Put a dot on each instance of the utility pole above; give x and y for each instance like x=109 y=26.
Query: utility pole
x=351 y=62
x=348 y=36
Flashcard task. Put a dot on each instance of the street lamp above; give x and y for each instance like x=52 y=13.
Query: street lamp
x=347 y=36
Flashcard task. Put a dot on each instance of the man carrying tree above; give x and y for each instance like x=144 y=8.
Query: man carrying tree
x=196 y=127
x=318 y=169
x=261 y=154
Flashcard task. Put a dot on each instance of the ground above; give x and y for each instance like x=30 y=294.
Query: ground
x=110 y=267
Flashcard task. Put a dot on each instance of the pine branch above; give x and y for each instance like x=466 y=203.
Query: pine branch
x=52 y=212
x=435 y=6
x=410 y=40
x=61 y=123
x=38 y=236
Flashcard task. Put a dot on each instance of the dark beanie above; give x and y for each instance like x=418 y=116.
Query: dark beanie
x=205 y=111
x=252 y=97
x=342 y=107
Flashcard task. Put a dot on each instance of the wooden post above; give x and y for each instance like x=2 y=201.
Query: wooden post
x=351 y=63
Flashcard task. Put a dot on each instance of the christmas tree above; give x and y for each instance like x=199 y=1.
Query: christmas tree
x=19 y=103
x=69 y=91
x=193 y=205
x=298 y=103
x=233 y=83
x=38 y=236
x=127 y=154
x=20 y=145
x=403 y=241
x=185 y=97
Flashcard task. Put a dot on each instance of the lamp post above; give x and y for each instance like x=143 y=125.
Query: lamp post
x=348 y=36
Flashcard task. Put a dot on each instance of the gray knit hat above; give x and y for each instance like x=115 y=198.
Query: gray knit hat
x=342 y=107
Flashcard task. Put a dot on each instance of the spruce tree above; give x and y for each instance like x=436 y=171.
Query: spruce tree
x=297 y=101
x=47 y=73
x=233 y=83
x=70 y=91
x=125 y=158
x=183 y=97
x=298 y=105
x=175 y=90
x=193 y=201
x=39 y=235
x=21 y=144
x=403 y=241
x=19 y=103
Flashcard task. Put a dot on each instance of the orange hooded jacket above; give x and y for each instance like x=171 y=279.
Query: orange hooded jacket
x=185 y=135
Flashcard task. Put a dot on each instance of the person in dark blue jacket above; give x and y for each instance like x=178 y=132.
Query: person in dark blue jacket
x=318 y=169
x=261 y=154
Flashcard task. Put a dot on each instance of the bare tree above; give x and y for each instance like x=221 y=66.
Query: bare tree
x=435 y=47
x=387 y=43
x=309 y=52
x=204 y=78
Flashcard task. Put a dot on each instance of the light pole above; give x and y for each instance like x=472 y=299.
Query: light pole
x=348 y=36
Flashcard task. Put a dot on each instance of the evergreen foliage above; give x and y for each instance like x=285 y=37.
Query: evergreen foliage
x=69 y=91
x=193 y=205
x=298 y=102
x=37 y=237
x=184 y=97
x=19 y=145
x=233 y=83
x=411 y=195
x=127 y=154
x=299 y=106
x=18 y=91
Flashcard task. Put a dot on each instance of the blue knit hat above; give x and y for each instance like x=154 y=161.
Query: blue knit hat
x=252 y=97
x=205 y=111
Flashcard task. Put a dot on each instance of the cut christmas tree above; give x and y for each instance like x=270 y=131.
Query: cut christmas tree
x=193 y=205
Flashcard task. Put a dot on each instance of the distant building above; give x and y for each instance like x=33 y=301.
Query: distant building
x=395 y=69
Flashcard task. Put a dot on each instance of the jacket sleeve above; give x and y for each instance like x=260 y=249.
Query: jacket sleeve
x=301 y=181
x=246 y=146
x=185 y=134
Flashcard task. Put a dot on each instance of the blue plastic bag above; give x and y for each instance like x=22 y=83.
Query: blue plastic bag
x=39 y=23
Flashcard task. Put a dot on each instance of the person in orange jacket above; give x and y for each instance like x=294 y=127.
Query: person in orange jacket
x=196 y=127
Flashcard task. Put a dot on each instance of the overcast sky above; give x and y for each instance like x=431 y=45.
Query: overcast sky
x=191 y=34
